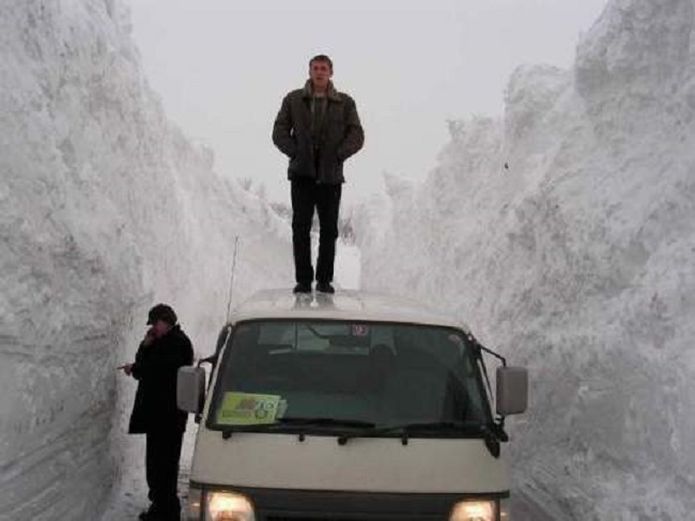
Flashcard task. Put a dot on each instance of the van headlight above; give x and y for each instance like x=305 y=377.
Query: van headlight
x=228 y=506
x=195 y=500
x=505 y=510
x=474 y=511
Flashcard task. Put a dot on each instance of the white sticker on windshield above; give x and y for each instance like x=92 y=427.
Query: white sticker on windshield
x=248 y=409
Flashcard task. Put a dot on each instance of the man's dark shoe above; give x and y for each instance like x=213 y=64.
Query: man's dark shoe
x=302 y=287
x=325 y=287
x=149 y=515
x=155 y=514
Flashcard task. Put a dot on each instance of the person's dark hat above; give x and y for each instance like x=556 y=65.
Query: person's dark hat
x=161 y=312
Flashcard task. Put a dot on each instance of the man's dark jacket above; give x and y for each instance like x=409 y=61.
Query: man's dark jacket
x=156 y=368
x=341 y=135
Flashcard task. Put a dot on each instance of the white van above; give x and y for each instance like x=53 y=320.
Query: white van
x=347 y=407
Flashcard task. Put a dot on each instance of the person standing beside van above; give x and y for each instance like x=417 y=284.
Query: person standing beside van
x=162 y=352
x=318 y=128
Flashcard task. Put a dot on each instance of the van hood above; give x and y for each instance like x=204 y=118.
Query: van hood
x=282 y=461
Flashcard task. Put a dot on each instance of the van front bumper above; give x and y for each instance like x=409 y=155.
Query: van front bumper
x=313 y=505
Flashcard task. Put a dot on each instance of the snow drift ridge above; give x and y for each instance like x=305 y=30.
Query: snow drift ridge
x=105 y=208
x=576 y=260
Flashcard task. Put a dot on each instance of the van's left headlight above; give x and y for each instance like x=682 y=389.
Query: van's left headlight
x=228 y=506
x=474 y=511
x=505 y=510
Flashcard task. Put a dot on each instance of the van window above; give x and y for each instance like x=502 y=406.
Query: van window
x=381 y=373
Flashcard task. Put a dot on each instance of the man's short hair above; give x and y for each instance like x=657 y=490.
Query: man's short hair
x=321 y=58
x=162 y=312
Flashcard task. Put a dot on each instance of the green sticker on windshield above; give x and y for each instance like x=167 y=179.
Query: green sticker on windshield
x=248 y=409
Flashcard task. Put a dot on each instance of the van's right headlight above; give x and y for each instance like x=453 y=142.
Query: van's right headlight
x=228 y=506
x=193 y=504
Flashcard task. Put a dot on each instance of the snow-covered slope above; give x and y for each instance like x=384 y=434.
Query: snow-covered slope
x=575 y=259
x=105 y=209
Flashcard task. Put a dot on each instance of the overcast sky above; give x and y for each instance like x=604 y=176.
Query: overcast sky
x=223 y=66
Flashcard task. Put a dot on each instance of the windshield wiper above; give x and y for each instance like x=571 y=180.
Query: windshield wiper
x=338 y=422
x=406 y=429
x=297 y=423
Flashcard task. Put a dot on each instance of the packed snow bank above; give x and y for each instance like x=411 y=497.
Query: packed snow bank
x=565 y=235
x=105 y=209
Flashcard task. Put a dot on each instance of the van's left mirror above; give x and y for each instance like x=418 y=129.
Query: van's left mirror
x=512 y=390
x=190 y=389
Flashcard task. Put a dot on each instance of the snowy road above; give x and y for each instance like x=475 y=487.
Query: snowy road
x=130 y=497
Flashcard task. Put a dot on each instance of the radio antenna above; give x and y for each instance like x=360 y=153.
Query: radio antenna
x=231 y=280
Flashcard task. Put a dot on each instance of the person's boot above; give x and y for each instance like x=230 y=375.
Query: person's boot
x=302 y=287
x=325 y=287
x=150 y=514
x=174 y=515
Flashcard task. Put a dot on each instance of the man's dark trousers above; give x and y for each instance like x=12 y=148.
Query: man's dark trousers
x=162 y=455
x=307 y=194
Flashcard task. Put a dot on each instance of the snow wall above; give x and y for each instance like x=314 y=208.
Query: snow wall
x=574 y=259
x=105 y=209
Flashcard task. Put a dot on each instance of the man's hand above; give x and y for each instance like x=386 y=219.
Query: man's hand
x=127 y=368
x=149 y=336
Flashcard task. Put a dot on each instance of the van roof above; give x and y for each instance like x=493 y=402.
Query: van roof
x=343 y=305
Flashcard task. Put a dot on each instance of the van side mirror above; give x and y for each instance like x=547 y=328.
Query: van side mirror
x=512 y=390
x=190 y=389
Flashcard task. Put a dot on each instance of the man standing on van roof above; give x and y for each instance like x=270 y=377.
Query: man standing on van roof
x=318 y=129
x=162 y=352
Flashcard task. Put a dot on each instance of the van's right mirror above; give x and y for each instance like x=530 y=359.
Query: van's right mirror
x=512 y=390
x=190 y=389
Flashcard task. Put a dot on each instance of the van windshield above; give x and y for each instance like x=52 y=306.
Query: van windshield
x=340 y=374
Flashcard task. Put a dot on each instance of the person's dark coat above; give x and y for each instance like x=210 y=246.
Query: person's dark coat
x=341 y=135
x=156 y=368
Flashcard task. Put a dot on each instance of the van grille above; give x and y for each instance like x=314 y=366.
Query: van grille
x=321 y=505
x=324 y=518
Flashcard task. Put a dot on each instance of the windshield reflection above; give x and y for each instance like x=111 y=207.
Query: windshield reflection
x=335 y=375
